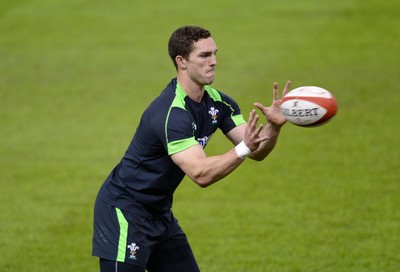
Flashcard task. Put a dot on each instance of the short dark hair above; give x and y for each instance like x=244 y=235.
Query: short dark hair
x=181 y=41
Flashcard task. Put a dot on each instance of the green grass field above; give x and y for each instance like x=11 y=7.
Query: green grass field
x=76 y=75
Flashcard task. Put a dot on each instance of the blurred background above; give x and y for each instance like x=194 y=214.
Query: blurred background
x=75 y=77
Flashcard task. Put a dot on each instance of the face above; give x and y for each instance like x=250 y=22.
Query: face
x=200 y=65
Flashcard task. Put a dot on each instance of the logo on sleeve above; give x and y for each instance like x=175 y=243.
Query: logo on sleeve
x=203 y=141
x=213 y=112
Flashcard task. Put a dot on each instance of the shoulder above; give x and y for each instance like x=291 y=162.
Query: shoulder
x=231 y=113
x=219 y=96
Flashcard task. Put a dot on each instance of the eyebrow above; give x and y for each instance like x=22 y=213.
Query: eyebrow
x=208 y=52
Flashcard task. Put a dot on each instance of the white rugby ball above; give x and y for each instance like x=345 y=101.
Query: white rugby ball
x=309 y=106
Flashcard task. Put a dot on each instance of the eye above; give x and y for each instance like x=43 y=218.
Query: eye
x=205 y=55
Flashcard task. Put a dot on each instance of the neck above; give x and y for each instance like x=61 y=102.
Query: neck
x=193 y=90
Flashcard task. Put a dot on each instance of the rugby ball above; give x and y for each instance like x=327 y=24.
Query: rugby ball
x=309 y=106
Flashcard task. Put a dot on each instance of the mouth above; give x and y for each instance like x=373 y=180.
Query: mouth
x=209 y=76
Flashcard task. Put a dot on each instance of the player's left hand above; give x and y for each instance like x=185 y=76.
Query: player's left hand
x=273 y=114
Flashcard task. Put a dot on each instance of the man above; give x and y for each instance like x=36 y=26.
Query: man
x=134 y=227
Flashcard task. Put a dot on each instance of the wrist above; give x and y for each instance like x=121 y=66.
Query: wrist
x=242 y=150
x=276 y=127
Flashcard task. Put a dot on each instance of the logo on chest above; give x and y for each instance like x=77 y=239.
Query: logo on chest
x=214 y=114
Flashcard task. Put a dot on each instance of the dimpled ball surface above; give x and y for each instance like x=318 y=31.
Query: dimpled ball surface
x=309 y=106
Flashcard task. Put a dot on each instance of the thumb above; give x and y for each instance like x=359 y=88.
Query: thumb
x=260 y=106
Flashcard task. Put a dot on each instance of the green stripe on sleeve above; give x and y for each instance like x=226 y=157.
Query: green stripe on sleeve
x=180 y=145
x=123 y=235
x=238 y=119
x=178 y=102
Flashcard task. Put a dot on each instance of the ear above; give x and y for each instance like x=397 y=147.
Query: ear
x=181 y=62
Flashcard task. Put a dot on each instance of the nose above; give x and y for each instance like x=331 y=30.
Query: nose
x=213 y=60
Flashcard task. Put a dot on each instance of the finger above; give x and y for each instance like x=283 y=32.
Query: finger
x=287 y=88
x=261 y=139
x=259 y=106
x=251 y=116
x=254 y=122
x=256 y=118
x=276 y=97
x=250 y=122
x=260 y=127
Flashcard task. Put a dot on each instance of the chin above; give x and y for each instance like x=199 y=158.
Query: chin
x=209 y=81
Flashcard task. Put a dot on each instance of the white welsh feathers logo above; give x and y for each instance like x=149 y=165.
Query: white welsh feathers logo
x=213 y=112
x=133 y=249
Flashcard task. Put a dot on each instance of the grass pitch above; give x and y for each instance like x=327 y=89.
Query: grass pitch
x=75 y=77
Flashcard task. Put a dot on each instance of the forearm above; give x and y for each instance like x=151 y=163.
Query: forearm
x=211 y=169
x=272 y=132
x=204 y=170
